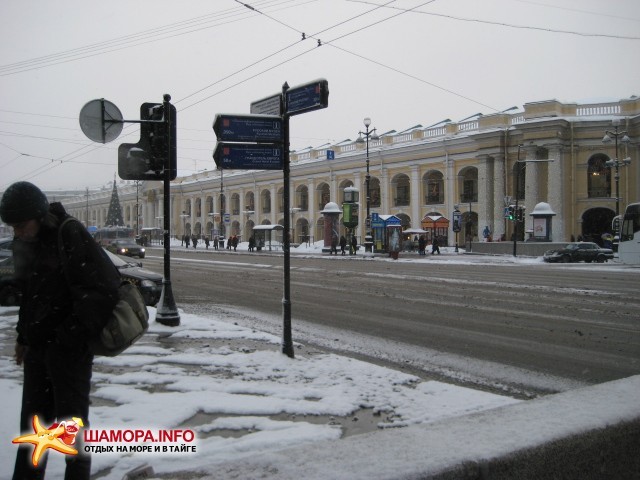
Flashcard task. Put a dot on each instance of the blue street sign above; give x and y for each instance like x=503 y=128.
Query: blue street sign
x=305 y=98
x=248 y=128
x=331 y=154
x=248 y=156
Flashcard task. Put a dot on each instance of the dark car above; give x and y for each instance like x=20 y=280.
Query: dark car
x=149 y=283
x=579 y=252
x=128 y=248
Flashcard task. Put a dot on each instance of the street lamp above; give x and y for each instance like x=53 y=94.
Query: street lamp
x=368 y=240
x=248 y=214
x=293 y=211
x=184 y=217
x=616 y=163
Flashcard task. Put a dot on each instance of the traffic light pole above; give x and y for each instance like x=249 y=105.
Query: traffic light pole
x=167 y=313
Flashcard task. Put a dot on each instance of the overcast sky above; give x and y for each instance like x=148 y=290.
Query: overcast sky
x=409 y=62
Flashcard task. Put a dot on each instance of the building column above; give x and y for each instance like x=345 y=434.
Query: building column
x=555 y=187
x=451 y=198
x=415 y=197
x=499 y=192
x=311 y=213
x=385 y=187
x=485 y=202
x=531 y=187
x=274 y=205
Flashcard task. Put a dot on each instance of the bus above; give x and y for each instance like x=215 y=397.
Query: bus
x=629 y=246
x=106 y=235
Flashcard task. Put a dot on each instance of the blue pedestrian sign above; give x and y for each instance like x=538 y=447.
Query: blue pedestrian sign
x=248 y=128
x=248 y=156
x=331 y=154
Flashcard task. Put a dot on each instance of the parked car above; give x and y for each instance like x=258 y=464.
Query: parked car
x=149 y=283
x=128 y=248
x=579 y=252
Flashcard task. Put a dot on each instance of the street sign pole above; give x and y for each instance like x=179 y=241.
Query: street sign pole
x=167 y=313
x=287 y=338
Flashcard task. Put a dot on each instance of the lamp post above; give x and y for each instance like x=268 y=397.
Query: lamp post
x=368 y=240
x=248 y=214
x=616 y=163
x=294 y=210
x=184 y=224
x=457 y=218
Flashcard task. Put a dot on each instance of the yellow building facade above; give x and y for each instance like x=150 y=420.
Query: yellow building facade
x=547 y=152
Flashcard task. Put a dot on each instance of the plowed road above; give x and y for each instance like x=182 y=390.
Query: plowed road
x=528 y=328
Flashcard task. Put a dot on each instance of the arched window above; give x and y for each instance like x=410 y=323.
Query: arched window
x=324 y=195
x=469 y=185
x=302 y=198
x=434 y=188
x=401 y=190
x=374 y=191
x=235 y=207
x=249 y=202
x=265 y=201
x=598 y=177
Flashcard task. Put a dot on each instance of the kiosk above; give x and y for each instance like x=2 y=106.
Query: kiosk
x=383 y=228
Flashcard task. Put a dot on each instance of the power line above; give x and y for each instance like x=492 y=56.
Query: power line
x=510 y=25
x=132 y=40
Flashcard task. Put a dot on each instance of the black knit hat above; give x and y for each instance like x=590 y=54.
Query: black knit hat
x=23 y=201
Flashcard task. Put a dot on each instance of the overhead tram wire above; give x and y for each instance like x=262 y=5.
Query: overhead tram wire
x=124 y=42
x=257 y=62
x=509 y=25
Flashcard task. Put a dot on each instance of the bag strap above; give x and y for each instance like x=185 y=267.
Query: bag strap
x=62 y=254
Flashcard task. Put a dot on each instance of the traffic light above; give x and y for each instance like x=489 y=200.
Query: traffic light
x=510 y=213
x=520 y=214
x=146 y=159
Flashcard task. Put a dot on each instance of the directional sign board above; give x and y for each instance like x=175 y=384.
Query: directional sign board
x=267 y=106
x=249 y=156
x=248 y=128
x=305 y=98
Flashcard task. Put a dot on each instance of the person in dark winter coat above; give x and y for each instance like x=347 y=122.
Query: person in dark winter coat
x=354 y=245
x=422 y=244
x=334 y=245
x=61 y=309
x=435 y=248
x=343 y=244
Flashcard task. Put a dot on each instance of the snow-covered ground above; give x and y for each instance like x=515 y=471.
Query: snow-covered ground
x=231 y=386
x=238 y=393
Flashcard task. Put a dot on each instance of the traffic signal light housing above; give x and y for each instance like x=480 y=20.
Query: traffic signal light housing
x=520 y=214
x=146 y=160
x=510 y=212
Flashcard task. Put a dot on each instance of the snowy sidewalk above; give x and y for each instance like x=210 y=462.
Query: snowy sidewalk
x=239 y=394
x=259 y=414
